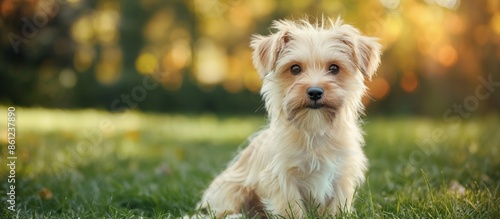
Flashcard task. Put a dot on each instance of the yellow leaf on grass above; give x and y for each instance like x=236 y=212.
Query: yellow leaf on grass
x=45 y=193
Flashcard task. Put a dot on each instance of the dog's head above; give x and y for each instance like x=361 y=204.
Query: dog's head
x=311 y=72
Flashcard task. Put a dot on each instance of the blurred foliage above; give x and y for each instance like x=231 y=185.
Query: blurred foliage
x=96 y=53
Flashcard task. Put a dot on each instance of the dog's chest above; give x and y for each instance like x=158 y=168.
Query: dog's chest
x=316 y=161
x=315 y=176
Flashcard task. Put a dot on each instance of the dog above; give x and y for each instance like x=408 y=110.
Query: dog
x=310 y=155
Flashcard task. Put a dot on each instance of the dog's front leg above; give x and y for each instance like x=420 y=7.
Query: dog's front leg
x=225 y=196
x=344 y=192
x=285 y=203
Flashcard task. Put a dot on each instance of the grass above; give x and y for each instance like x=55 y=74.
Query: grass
x=93 y=164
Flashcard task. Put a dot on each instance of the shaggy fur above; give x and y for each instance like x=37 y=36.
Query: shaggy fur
x=311 y=152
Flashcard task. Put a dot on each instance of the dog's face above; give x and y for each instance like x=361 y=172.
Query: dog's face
x=311 y=72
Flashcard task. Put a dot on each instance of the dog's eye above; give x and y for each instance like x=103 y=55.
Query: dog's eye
x=295 y=69
x=334 y=69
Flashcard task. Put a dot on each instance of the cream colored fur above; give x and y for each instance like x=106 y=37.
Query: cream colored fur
x=305 y=157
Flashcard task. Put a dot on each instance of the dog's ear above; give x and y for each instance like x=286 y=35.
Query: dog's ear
x=367 y=55
x=266 y=50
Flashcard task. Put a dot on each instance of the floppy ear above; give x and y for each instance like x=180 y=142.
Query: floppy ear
x=266 y=50
x=367 y=55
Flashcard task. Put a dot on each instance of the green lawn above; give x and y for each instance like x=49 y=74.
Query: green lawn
x=94 y=164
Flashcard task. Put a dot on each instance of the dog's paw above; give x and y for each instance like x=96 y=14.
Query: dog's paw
x=204 y=216
x=196 y=216
x=234 y=216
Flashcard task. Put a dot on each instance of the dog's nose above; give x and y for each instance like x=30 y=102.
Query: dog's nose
x=314 y=93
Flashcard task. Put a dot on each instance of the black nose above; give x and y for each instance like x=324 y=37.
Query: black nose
x=314 y=93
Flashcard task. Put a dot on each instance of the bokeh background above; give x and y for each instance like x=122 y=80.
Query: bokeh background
x=89 y=54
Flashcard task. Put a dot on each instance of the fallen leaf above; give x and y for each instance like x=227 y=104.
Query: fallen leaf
x=45 y=193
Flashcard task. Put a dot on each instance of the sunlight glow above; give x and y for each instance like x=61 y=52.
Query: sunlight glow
x=409 y=82
x=7 y=7
x=146 y=63
x=390 y=4
x=82 y=30
x=447 y=55
x=157 y=27
x=109 y=67
x=173 y=62
x=454 y=24
x=481 y=34
x=261 y=8
x=449 y=4
x=392 y=30
x=106 y=24
x=252 y=81
x=210 y=65
x=84 y=57
x=495 y=23
x=378 y=88
x=67 y=78
x=209 y=39
x=180 y=54
x=107 y=73
x=240 y=17
x=209 y=8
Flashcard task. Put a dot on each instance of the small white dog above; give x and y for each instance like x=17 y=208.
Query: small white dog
x=310 y=154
